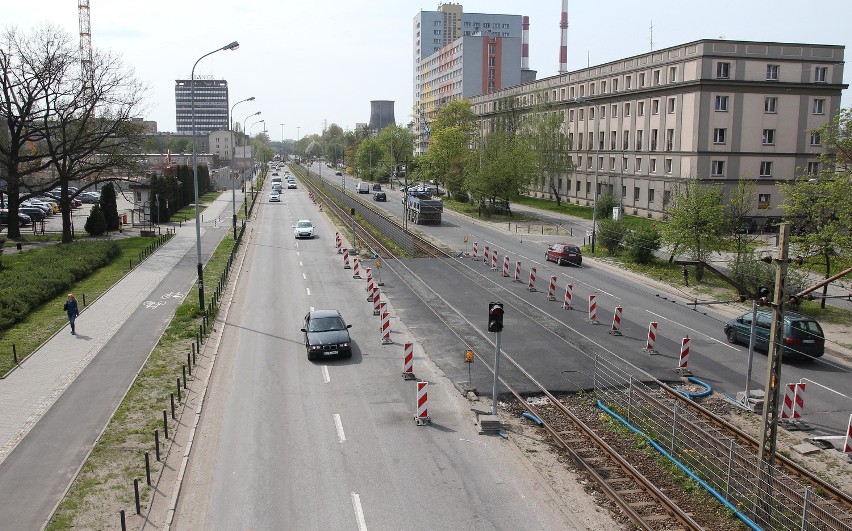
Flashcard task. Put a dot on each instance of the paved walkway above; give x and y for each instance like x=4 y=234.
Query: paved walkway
x=58 y=401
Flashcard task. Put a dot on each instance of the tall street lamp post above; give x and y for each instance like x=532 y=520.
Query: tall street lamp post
x=232 y=46
x=233 y=162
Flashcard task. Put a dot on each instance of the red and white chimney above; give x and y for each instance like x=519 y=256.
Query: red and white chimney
x=525 y=43
x=563 y=41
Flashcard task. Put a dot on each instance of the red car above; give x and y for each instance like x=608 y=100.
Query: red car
x=564 y=253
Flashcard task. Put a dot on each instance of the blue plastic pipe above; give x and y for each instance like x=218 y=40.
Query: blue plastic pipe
x=532 y=417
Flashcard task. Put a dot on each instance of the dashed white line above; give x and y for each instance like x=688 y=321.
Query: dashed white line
x=325 y=376
x=309 y=291
x=300 y=264
x=359 y=512
x=312 y=308
x=339 y=426
x=304 y=276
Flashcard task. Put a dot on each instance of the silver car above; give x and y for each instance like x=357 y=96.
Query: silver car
x=304 y=229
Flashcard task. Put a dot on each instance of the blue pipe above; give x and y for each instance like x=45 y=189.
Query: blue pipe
x=706 y=392
x=532 y=417
x=680 y=465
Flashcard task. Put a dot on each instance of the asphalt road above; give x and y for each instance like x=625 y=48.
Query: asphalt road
x=554 y=359
x=285 y=442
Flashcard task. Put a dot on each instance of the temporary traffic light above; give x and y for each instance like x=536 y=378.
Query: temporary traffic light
x=495 y=316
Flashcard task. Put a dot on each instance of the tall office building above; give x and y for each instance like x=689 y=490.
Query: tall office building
x=718 y=110
x=211 y=106
x=458 y=55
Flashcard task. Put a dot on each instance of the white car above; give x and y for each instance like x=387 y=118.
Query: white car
x=291 y=184
x=274 y=197
x=304 y=229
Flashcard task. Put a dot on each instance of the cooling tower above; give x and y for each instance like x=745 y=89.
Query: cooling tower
x=381 y=114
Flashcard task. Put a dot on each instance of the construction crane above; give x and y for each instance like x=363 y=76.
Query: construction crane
x=85 y=42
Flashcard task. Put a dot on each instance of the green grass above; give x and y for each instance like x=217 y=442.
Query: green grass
x=36 y=238
x=49 y=318
x=471 y=208
x=188 y=212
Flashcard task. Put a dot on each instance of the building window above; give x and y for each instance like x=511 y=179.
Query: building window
x=763 y=201
x=591 y=113
x=653 y=140
x=580 y=143
x=765 y=168
x=624 y=168
x=768 y=137
x=650 y=195
x=819 y=106
x=653 y=166
x=638 y=166
x=669 y=139
x=723 y=70
x=672 y=74
x=571 y=93
x=627 y=110
x=612 y=164
x=668 y=164
x=813 y=168
x=639 y=140
x=577 y=188
x=570 y=115
x=721 y=103
x=603 y=87
x=627 y=81
x=820 y=74
x=615 y=84
x=772 y=72
x=656 y=77
x=613 y=140
x=601 y=140
x=717 y=168
x=588 y=188
x=589 y=162
x=815 y=138
x=719 y=135
x=642 y=79
x=582 y=90
x=591 y=89
x=655 y=106
x=635 y=193
x=614 y=112
x=770 y=104
x=625 y=140
x=640 y=109
x=671 y=105
x=603 y=111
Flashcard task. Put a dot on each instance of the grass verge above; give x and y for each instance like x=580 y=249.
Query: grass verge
x=188 y=212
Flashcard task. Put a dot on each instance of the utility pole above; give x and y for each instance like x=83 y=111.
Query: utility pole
x=773 y=379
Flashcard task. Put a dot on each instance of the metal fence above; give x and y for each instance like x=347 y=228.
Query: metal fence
x=729 y=467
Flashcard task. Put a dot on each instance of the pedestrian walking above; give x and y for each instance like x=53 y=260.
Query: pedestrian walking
x=73 y=311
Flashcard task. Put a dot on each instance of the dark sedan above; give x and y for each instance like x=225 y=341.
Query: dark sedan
x=380 y=196
x=23 y=219
x=326 y=335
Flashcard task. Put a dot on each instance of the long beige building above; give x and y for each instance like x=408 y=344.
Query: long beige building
x=718 y=110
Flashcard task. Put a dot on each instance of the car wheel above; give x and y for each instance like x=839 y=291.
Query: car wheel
x=561 y=262
x=732 y=336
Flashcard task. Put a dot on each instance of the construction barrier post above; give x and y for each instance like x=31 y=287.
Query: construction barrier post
x=370 y=285
x=652 y=336
x=518 y=272
x=338 y=243
x=551 y=290
x=475 y=251
x=847 y=445
x=616 y=322
x=684 y=358
x=346 y=259
x=531 y=286
x=408 y=362
x=376 y=301
x=422 y=416
x=506 y=266
x=494 y=261
x=356 y=268
x=593 y=309
x=386 y=339
x=569 y=290
x=486 y=256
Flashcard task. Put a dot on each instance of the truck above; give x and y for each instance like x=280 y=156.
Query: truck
x=422 y=209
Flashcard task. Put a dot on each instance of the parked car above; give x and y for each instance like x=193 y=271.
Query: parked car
x=803 y=336
x=44 y=207
x=35 y=213
x=304 y=229
x=326 y=334
x=89 y=197
x=380 y=196
x=338 y=173
x=564 y=253
x=23 y=219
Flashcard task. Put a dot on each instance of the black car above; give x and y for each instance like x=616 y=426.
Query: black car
x=326 y=335
x=23 y=219
x=380 y=196
x=35 y=213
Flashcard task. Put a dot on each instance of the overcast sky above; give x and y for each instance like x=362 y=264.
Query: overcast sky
x=324 y=60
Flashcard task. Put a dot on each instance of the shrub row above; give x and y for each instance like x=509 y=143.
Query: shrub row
x=28 y=280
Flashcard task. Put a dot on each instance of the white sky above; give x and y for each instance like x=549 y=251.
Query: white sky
x=307 y=61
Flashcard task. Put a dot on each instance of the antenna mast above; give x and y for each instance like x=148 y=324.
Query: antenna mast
x=85 y=42
x=652 y=35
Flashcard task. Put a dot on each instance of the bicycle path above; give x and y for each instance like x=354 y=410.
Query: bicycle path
x=56 y=404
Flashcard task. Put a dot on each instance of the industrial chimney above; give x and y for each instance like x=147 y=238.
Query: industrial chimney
x=563 y=41
x=381 y=114
x=525 y=43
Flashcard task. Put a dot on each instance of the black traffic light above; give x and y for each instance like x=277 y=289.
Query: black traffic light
x=495 y=316
x=763 y=296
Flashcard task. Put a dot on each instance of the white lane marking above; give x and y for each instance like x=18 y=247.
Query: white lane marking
x=312 y=308
x=309 y=291
x=325 y=376
x=304 y=276
x=338 y=424
x=300 y=264
x=359 y=512
x=693 y=330
x=575 y=280
x=297 y=253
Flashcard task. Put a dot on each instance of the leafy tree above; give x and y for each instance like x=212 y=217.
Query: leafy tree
x=738 y=208
x=95 y=223
x=552 y=149
x=368 y=158
x=108 y=207
x=606 y=202
x=642 y=244
x=504 y=168
x=611 y=234
x=397 y=145
x=696 y=222
x=449 y=145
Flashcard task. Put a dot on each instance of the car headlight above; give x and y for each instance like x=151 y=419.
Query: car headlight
x=316 y=347
x=344 y=344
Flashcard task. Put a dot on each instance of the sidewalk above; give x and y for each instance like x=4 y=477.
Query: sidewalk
x=58 y=401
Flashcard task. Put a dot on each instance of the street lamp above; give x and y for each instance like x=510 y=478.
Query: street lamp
x=233 y=162
x=232 y=46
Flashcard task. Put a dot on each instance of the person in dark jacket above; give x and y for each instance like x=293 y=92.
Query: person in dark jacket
x=72 y=310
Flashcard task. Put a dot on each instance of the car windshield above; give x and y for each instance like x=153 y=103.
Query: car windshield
x=304 y=225
x=326 y=324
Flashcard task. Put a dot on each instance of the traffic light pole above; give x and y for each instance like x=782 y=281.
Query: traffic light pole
x=496 y=372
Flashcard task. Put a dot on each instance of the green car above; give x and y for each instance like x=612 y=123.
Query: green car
x=803 y=337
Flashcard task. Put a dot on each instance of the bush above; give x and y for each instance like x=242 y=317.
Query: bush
x=30 y=279
x=605 y=204
x=642 y=244
x=611 y=234
x=95 y=223
x=109 y=206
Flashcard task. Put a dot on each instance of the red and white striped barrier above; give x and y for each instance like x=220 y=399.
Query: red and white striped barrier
x=408 y=361
x=615 y=329
x=551 y=290
x=652 y=337
x=486 y=256
x=593 y=309
x=370 y=286
x=569 y=294
x=506 y=266
x=385 y=325
x=475 y=251
x=376 y=301
x=368 y=274
x=338 y=243
x=518 y=272
x=356 y=267
x=789 y=402
x=346 y=259
x=494 y=261
x=847 y=445
x=684 y=353
x=531 y=285
x=799 y=403
x=422 y=416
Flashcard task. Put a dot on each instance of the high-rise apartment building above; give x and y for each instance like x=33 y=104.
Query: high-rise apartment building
x=717 y=110
x=211 y=106
x=459 y=55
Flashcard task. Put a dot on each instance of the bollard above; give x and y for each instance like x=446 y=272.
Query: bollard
x=157 y=444
x=184 y=376
x=172 y=399
x=131 y=263
x=165 y=425
x=84 y=299
x=123 y=523
x=198 y=339
x=15 y=353
x=180 y=396
x=193 y=354
x=189 y=363
x=136 y=495
x=147 y=468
